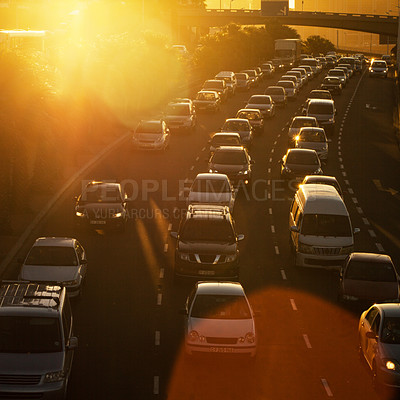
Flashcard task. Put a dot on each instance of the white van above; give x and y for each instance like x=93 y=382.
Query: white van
x=230 y=79
x=321 y=234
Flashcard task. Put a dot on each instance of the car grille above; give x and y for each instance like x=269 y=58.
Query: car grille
x=221 y=340
x=19 y=379
x=20 y=396
x=207 y=258
x=327 y=251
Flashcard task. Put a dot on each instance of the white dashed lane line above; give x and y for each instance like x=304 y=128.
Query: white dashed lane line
x=365 y=220
x=307 y=341
x=372 y=233
x=354 y=200
x=156 y=385
x=165 y=247
x=347 y=182
x=326 y=387
x=159 y=299
x=192 y=168
x=359 y=210
x=272 y=228
x=350 y=190
x=270 y=160
x=197 y=158
x=269 y=170
x=157 y=338
x=162 y=270
x=203 y=149
x=293 y=304
x=276 y=250
x=270 y=211
x=380 y=247
x=283 y=274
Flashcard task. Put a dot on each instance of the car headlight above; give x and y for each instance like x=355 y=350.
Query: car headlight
x=243 y=172
x=287 y=169
x=330 y=120
x=184 y=256
x=231 y=257
x=79 y=214
x=117 y=215
x=212 y=170
x=195 y=337
x=391 y=365
x=347 y=249
x=54 y=376
x=305 y=248
x=249 y=338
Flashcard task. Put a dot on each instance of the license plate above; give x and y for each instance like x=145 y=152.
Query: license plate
x=98 y=222
x=221 y=350
x=203 y=272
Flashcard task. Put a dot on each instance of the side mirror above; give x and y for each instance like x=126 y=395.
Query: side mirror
x=370 y=335
x=73 y=343
x=240 y=237
x=174 y=235
x=356 y=230
x=294 y=228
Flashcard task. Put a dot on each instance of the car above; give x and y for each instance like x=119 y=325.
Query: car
x=297 y=163
x=151 y=135
x=207 y=100
x=348 y=61
x=378 y=68
x=320 y=94
x=230 y=79
x=358 y=66
x=332 y=83
x=296 y=124
x=278 y=95
x=324 y=111
x=323 y=180
x=219 y=320
x=368 y=278
x=212 y=189
x=37 y=340
x=290 y=89
x=330 y=62
x=277 y=63
x=294 y=79
x=313 y=63
x=207 y=243
x=180 y=50
x=181 y=100
x=379 y=343
x=242 y=126
x=309 y=70
x=387 y=58
x=313 y=138
x=180 y=117
x=254 y=116
x=300 y=77
x=303 y=74
x=224 y=139
x=350 y=67
x=264 y=103
x=260 y=74
x=233 y=161
x=348 y=71
x=101 y=205
x=217 y=85
x=340 y=74
x=56 y=259
x=267 y=69
x=322 y=61
x=243 y=81
x=253 y=76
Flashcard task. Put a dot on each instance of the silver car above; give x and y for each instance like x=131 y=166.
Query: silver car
x=315 y=139
x=378 y=68
x=262 y=102
x=56 y=259
x=296 y=124
x=151 y=135
x=379 y=343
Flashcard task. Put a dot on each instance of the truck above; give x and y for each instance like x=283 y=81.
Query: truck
x=288 y=50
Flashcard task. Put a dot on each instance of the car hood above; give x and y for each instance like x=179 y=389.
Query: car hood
x=201 y=197
x=207 y=247
x=43 y=273
x=221 y=327
x=312 y=145
x=375 y=291
x=326 y=241
x=30 y=363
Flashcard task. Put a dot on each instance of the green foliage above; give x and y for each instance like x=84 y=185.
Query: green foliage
x=278 y=31
x=316 y=44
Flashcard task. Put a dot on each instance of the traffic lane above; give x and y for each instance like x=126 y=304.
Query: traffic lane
x=372 y=159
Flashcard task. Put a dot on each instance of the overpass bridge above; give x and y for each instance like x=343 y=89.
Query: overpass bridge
x=371 y=23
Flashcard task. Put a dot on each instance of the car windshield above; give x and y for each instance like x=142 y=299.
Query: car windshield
x=379 y=64
x=326 y=225
x=205 y=96
x=274 y=91
x=319 y=94
x=220 y=140
x=207 y=230
x=215 y=306
x=391 y=330
x=331 y=80
x=311 y=136
x=52 y=256
x=252 y=115
x=302 y=158
x=320 y=108
x=178 y=109
x=29 y=335
x=213 y=84
x=299 y=123
x=287 y=85
x=229 y=158
x=211 y=186
x=337 y=73
x=101 y=194
x=370 y=271
x=260 y=100
x=149 y=127
x=266 y=66
x=236 y=126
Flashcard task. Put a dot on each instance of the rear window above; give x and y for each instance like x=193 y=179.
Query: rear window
x=299 y=123
x=225 y=140
x=250 y=115
x=302 y=158
x=370 y=271
x=379 y=64
x=275 y=90
x=320 y=108
x=229 y=158
x=311 y=136
x=260 y=100
x=286 y=84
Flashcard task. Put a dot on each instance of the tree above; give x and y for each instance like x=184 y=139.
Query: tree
x=278 y=31
x=316 y=44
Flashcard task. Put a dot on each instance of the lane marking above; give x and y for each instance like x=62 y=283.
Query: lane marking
x=359 y=210
x=156 y=385
x=276 y=250
x=380 y=247
x=354 y=199
x=272 y=229
x=159 y=299
x=347 y=182
x=270 y=160
x=157 y=338
x=283 y=273
x=350 y=190
x=366 y=222
x=275 y=143
x=269 y=170
x=162 y=273
x=372 y=233
x=293 y=304
x=270 y=211
x=203 y=149
x=269 y=195
x=307 y=341
x=272 y=150
x=341 y=166
x=344 y=173
x=169 y=227
x=165 y=247
x=197 y=158
x=326 y=387
x=340 y=159
x=339 y=153
x=268 y=182
x=192 y=168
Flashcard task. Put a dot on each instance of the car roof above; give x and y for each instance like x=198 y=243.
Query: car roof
x=249 y=109
x=389 y=309
x=230 y=148
x=303 y=118
x=270 y=87
x=208 y=91
x=370 y=257
x=212 y=176
x=107 y=185
x=259 y=95
x=321 y=101
x=320 y=178
x=55 y=241
x=312 y=129
x=237 y=119
x=227 y=288
x=298 y=150
x=230 y=134
x=330 y=200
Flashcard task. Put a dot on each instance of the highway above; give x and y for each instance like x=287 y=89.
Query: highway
x=128 y=322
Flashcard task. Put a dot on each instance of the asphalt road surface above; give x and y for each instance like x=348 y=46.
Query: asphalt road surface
x=128 y=322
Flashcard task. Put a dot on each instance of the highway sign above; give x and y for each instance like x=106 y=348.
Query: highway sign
x=273 y=8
